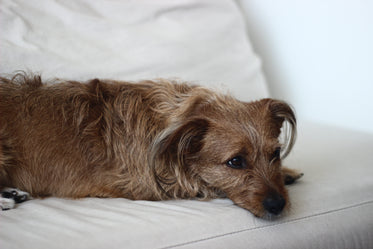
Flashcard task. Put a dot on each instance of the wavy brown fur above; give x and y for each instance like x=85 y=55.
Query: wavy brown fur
x=152 y=140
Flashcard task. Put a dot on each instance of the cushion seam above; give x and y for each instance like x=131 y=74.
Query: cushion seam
x=270 y=225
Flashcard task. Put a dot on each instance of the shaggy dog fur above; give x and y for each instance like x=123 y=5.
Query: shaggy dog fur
x=153 y=140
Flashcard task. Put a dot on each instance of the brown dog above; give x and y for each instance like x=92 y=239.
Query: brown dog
x=150 y=141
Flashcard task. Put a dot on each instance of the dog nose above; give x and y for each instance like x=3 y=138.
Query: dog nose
x=274 y=203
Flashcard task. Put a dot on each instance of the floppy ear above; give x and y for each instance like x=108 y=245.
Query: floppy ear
x=282 y=116
x=181 y=141
x=174 y=148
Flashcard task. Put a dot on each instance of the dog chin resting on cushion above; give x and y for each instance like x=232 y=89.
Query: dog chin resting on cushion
x=151 y=140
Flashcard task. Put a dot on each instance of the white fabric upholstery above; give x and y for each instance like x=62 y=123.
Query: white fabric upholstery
x=205 y=42
x=200 y=41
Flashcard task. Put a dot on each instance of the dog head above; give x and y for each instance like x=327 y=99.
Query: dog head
x=225 y=146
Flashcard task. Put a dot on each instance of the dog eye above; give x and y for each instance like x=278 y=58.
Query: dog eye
x=276 y=154
x=237 y=162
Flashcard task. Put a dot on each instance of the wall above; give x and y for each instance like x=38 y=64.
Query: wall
x=318 y=55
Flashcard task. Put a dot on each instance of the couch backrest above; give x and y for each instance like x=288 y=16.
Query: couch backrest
x=200 y=41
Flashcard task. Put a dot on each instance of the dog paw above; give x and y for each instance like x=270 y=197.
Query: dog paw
x=6 y=204
x=10 y=196
x=290 y=175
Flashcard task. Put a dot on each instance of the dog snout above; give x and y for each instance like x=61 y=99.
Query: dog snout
x=274 y=203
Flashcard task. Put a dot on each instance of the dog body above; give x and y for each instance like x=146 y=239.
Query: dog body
x=153 y=140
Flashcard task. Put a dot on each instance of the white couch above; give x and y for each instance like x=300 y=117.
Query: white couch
x=201 y=41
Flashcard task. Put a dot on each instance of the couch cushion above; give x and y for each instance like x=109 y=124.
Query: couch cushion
x=200 y=41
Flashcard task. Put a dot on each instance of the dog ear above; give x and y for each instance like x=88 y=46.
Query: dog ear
x=171 y=151
x=282 y=117
x=182 y=140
